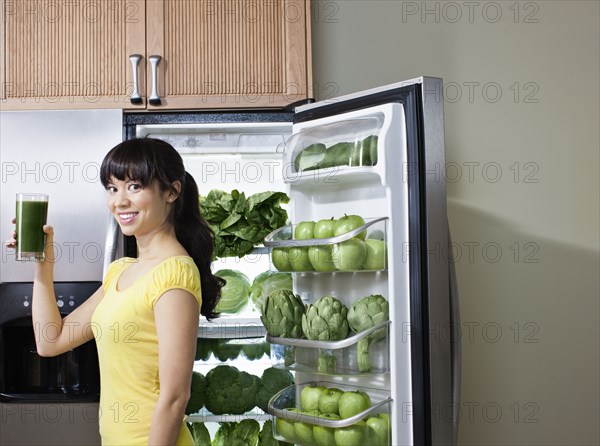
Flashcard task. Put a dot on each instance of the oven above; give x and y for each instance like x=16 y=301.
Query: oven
x=45 y=401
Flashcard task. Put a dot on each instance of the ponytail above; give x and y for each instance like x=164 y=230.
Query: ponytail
x=195 y=235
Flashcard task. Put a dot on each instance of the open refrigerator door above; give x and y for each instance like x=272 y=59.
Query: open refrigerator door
x=367 y=371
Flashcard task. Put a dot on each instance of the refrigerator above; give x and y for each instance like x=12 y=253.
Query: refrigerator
x=415 y=377
x=53 y=400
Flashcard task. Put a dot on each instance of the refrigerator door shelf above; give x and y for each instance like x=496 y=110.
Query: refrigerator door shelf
x=335 y=358
x=281 y=237
x=327 y=345
x=285 y=406
x=297 y=256
x=352 y=142
x=370 y=136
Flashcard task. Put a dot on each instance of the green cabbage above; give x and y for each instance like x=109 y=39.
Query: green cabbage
x=235 y=293
x=266 y=283
x=243 y=433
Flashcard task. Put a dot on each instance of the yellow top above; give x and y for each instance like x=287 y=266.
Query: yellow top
x=125 y=331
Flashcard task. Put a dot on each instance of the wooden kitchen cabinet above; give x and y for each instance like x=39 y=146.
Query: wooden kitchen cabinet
x=69 y=54
x=212 y=53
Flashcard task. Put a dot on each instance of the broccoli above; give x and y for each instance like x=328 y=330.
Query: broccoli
x=244 y=433
x=230 y=391
x=199 y=434
x=197 y=393
x=272 y=381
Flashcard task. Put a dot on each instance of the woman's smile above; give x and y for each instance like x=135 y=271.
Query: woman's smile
x=126 y=218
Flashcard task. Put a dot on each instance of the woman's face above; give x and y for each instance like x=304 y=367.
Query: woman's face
x=139 y=211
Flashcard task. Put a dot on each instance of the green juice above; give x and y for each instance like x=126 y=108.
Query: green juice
x=31 y=217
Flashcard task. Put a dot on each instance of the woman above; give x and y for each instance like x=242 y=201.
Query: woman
x=144 y=318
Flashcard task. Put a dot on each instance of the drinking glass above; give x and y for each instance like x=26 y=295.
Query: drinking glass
x=32 y=211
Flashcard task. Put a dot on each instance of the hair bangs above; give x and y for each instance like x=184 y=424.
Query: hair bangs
x=128 y=162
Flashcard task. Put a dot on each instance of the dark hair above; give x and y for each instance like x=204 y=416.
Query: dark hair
x=146 y=160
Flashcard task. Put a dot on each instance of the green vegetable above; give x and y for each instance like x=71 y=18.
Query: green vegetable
x=325 y=321
x=364 y=314
x=199 y=434
x=338 y=155
x=272 y=381
x=254 y=351
x=225 y=350
x=310 y=157
x=203 y=350
x=240 y=223
x=244 y=433
x=282 y=314
x=266 y=438
x=267 y=282
x=370 y=144
x=197 y=393
x=230 y=391
x=235 y=293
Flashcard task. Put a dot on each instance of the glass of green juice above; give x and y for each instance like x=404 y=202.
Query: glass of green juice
x=32 y=210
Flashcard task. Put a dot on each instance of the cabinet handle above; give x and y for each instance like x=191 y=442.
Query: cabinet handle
x=154 y=98
x=135 y=62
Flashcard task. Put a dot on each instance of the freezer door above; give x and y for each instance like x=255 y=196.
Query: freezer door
x=417 y=204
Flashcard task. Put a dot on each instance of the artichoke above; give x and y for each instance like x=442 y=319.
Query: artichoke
x=325 y=321
x=282 y=313
x=364 y=314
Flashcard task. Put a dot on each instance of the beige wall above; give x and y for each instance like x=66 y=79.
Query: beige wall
x=522 y=178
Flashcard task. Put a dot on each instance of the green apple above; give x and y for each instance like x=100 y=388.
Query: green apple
x=353 y=435
x=329 y=401
x=347 y=223
x=309 y=397
x=298 y=258
x=304 y=230
x=280 y=260
x=285 y=428
x=354 y=402
x=349 y=255
x=379 y=430
x=320 y=258
x=324 y=228
x=324 y=436
x=376 y=255
x=376 y=234
x=304 y=433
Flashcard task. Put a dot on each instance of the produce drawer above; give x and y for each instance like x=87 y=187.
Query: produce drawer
x=335 y=358
x=361 y=422
x=361 y=249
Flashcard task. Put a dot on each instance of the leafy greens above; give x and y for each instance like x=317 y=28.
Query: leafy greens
x=240 y=223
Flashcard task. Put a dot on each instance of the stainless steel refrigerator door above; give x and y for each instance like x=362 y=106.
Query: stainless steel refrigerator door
x=59 y=153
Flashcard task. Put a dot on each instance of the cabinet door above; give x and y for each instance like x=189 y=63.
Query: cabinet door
x=233 y=53
x=70 y=54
